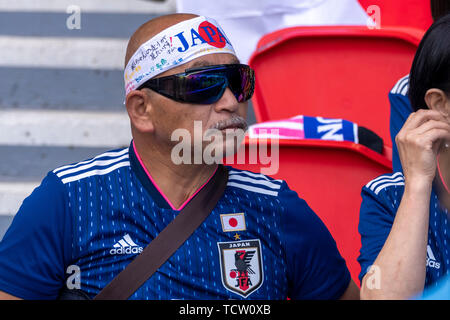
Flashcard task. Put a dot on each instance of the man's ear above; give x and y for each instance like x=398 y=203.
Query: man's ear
x=139 y=110
x=436 y=99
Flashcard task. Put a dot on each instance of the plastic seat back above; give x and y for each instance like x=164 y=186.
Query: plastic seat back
x=338 y=72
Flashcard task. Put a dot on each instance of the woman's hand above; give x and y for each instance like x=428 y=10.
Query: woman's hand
x=418 y=143
x=401 y=260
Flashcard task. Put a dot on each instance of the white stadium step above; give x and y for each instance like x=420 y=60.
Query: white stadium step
x=69 y=129
x=58 y=52
x=102 y=6
x=12 y=195
x=64 y=128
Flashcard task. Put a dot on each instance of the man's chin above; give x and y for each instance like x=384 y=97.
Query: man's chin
x=216 y=152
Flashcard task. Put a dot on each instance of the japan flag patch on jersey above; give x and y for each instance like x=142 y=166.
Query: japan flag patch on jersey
x=233 y=222
x=241 y=266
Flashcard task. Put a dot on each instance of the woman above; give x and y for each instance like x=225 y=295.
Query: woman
x=404 y=221
x=398 y=96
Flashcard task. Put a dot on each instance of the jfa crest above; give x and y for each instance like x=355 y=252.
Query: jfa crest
x=241 y=266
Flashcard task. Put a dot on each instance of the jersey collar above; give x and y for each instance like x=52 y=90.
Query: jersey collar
x=150 y=185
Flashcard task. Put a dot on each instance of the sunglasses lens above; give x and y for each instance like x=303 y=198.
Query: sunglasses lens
x=203 y=88
x=241 y=80
x=207 y=85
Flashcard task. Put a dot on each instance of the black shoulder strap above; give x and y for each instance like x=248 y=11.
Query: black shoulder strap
x=167 y=241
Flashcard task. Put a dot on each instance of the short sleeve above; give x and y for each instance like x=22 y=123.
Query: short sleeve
x=36 y=248
x=316 y=270
x=376 y=218
x=400 y=111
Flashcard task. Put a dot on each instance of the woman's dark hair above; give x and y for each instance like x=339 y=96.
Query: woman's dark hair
x=431 y=65
x=439 y=8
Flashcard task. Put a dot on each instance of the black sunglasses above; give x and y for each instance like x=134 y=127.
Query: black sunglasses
x=206 y=85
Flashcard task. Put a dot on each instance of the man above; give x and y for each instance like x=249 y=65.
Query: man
x=97 y=215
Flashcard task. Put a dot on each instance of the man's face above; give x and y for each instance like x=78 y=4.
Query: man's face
x=168 y=115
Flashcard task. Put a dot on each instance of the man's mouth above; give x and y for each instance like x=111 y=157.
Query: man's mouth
x=231 y=124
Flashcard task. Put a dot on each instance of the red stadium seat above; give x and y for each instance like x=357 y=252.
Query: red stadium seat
x=337 y=72
x=329 y=175
x=402 y=13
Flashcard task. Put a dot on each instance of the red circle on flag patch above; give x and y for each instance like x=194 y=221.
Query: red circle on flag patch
x=233 y=274
x=211 y=34
x=233 y=222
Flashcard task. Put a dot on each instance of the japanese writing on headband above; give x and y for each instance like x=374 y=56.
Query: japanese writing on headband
x=175 y=45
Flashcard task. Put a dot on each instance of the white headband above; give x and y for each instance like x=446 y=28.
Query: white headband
x=173 y=46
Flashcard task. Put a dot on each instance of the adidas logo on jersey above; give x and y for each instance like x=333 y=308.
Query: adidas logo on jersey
x=431 y=260
x=126 y=246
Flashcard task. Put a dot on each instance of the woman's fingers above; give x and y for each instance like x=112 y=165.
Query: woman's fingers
x=432 y=124
x=421 y=116
x=418 y=143
x=420 y=122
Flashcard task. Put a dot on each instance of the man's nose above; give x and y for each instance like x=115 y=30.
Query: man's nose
x=227 y=102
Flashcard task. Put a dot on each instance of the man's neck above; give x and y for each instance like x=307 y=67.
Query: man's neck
x=177 y=182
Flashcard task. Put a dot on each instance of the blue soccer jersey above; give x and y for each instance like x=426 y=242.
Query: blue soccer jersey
x=400 y=111
x=381 y=199
x=261 y=241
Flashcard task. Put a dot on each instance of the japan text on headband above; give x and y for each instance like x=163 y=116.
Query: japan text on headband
x=173 y=46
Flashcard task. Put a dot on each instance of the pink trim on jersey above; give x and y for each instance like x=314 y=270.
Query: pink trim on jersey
x=160 y=191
